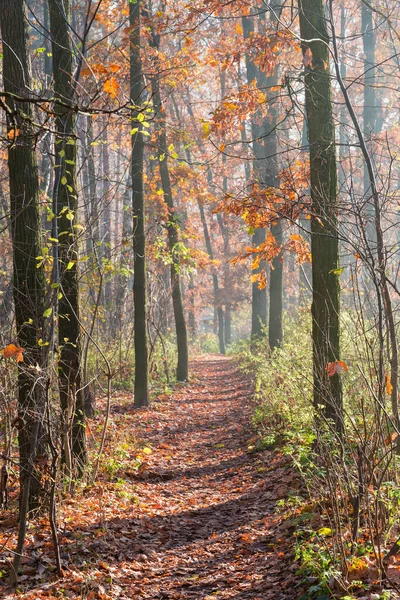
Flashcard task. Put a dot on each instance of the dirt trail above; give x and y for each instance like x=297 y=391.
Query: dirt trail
x=197 y=520
x=214 y=532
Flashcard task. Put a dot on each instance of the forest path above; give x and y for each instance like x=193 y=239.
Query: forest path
x=212 y=530
x=196 y=520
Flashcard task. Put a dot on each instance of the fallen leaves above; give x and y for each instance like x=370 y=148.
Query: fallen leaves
x=197 y=519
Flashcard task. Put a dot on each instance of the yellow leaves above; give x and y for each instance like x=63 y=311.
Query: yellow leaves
x=261 y=97
x=11 y=351
x=147 y=451
x=206 y=127
x=261 y=278
x=230 y=106
x=239 y=28
x=388 y=384
x=110 y=86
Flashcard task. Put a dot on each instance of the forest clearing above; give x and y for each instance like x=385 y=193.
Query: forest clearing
x=199 y=299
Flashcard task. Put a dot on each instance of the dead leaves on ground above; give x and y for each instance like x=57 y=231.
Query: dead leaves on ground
x=181 y=509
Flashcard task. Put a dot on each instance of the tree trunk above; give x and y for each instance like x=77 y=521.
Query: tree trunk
x=106 y=229
x=324 y=236
x=28 y=276
x=217 y=295
x=275 y=328
x=138 y=208
x=218 y=311
x=369 y=115
x=182 y=370
x=65 y=205
x=258 y=296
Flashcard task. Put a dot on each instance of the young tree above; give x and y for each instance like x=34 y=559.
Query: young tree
x=172 y=223
x=324 y=235
x=259 y=296
x=65 y=209
x=139 y=236
x=275 y=330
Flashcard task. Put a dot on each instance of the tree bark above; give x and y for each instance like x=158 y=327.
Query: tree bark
x=139 y=236
x=65 y=206
x=182 y=370
x=324 y=235
x=369 y=115
x=28 y=279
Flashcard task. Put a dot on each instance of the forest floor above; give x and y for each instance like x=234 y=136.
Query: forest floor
x=183 y=507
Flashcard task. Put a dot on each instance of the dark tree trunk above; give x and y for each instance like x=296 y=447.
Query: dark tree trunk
x=182 y=370
x=65 y=205
x=324 y=236
x=139 y=235
x=28 y=279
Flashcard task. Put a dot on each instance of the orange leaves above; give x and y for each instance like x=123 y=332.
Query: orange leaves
x=336 y=367
x=265 y=49
x=261 y=278
x=111 y=87
x=388 y=384
x=13 y=134
x=12 y=351
x=236 y=108
x=299 y=246
x=105 y=74
x=100 y=69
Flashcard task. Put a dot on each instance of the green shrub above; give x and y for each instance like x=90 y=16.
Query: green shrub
x=282 y=381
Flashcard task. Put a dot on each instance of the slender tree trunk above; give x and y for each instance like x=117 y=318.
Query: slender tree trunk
x=218 y=310
x=305 y=279
x=106 y=226
x=324 y=236
x=275 y=328
x=65 y=201
x=380 y=266
x=138 y=207
x=259 y=296
x=192 y=312
x=172 y=228
x=369 y=115
x=216 y=290
x=343 y=111
x=127 y=236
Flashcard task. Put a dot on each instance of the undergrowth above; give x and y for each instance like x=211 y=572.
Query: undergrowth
x=348 y=522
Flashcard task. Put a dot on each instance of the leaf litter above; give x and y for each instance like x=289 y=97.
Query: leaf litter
x=181 y=508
